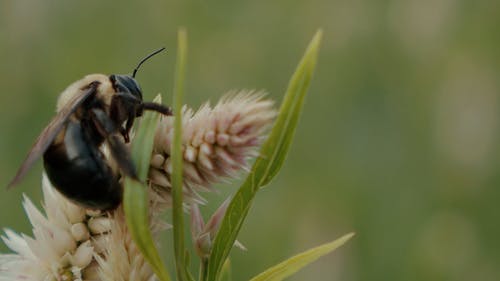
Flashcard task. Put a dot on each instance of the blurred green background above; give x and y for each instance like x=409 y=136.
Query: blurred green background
x=399 y=139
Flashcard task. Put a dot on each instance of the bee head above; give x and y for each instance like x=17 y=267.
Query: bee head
x=127 y=103
x=126 y=85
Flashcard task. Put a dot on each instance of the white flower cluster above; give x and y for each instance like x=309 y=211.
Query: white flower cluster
x=65 y=241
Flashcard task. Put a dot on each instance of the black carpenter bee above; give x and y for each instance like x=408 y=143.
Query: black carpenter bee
x=93 y=111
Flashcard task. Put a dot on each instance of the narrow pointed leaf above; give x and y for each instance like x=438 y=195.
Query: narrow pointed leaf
x=297 y=262
x=275 y=150
x=177 y=212
x=135 y=197
x=271 y=158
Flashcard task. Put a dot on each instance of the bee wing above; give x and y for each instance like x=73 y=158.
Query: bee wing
x=52 y=130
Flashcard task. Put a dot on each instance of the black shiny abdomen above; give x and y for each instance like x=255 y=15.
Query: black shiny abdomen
x=79 y=170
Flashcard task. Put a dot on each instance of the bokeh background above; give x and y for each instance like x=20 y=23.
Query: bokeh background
x=399 y=139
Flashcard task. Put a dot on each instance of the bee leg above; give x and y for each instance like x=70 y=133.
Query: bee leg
x=165 y=110
x=128 y=126
x=125 y=135
x=118 y=113
x=111 y=133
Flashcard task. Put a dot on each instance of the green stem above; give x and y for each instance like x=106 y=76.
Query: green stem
x=203 y=269
x=177 y=212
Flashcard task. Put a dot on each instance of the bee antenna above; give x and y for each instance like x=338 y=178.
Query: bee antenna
x=145 y=59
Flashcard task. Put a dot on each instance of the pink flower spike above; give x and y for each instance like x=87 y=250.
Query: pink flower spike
x=218 y=141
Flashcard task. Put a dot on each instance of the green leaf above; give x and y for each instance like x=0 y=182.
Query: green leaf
x=297 y=262
x=275 y=150
x=271 y=158
x=177 y=157
x=135 y=197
